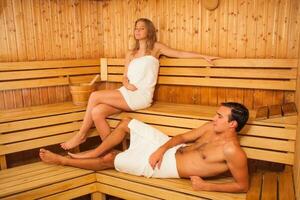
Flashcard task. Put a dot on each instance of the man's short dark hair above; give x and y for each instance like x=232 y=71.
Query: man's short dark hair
x=239 y=113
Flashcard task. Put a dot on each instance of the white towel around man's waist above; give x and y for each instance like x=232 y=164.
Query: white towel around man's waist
x=144 y=140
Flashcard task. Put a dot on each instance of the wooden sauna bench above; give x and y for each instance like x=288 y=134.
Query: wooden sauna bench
x=269 y=140
x=33 y=127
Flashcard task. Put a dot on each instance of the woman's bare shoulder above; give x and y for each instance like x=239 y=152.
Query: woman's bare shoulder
x=159 y=45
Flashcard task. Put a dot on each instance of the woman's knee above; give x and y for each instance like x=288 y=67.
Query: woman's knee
x=98 y=112
x=95 y=97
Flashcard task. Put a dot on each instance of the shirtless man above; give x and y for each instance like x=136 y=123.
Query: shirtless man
x=215 y=149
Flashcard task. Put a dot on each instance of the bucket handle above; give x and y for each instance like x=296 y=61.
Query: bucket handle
x=69 y=80
x=94 y=80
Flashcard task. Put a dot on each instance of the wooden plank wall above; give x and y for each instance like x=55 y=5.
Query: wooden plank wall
x=297 y=148
x=74 y=29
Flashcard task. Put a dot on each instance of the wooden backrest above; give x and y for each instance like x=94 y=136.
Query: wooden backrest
x=20 y=75
x=273 y=74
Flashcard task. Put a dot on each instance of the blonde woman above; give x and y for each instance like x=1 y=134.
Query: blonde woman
x=139 y=80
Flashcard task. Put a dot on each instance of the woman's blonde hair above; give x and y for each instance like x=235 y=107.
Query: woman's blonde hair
x=151 y=35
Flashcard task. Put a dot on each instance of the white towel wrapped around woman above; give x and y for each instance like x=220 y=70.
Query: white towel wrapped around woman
x=142 y=73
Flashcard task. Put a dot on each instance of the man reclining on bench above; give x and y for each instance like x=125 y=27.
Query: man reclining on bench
x=215 y=149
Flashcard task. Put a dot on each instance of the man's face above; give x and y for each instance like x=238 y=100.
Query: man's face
x=220 y=120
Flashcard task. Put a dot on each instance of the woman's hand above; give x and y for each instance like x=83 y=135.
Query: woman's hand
x=210 y=59
x=156 y=158
x=127 y=85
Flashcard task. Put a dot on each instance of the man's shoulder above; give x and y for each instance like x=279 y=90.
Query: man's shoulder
x=232 y=149
x=205 y=128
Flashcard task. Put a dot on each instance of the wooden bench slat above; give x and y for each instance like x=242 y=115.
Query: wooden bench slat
x=24 y=169
x=38 y=132
x=262 y=113
x=40 y=122
x=275 y=111
x=285 y=184
x=43 y=181
x=45 y=73
x=9 y=66
x=269 y=186
x=156 y=192
x=46 y=82
x=72 y=193
x=264 y=143
x=219 y=72
x=263 y=63
x=221 y=82
x=180 y=185
x=36 y=175
x=55 y=188
x=13 y=179
x=41 y=142
x=39 y=111
x=269 y=132
x=255 y=187
x=272 y=156
x=122 y=193
x=289 y=109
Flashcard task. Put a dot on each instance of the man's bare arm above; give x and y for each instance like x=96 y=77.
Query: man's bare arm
x=190 y=136
x=237 y=163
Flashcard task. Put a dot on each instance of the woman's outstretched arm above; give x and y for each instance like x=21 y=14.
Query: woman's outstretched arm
x=170 y=52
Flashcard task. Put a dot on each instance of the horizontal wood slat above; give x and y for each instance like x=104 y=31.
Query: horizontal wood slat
x=14 y=66
x=4 y=76
x=113 y=177
x=277 y=157
x=40 y=122
x=37 y=83
x=39 y=111
x=219 y=72
x=221 y=82
x=66 y=185
x=40 y=142
x=263 y=63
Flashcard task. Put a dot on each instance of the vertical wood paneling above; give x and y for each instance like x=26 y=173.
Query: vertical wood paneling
x=37 y=30
x=261 y=38
x=223 y=33
x=70 y=29
x=297 y=148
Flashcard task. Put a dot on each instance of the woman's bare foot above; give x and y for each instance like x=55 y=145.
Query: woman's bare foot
x=73 y=142
x=52 y=158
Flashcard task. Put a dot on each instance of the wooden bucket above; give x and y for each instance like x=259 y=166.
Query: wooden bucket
x=81 y=93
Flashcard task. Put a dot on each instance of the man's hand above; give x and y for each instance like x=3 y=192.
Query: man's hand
x=198 y=183
x=156 y=158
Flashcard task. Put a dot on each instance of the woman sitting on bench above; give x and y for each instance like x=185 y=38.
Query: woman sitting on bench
x=140 y=76
x=215 y=149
